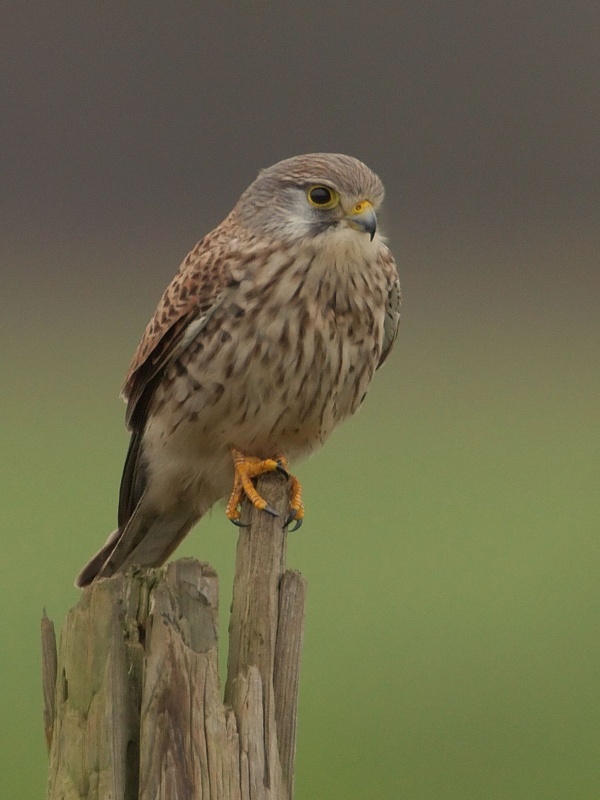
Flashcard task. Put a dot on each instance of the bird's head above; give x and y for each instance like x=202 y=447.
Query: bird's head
x=315 y=195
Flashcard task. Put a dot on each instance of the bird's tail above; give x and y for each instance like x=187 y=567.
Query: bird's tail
x=147 y=540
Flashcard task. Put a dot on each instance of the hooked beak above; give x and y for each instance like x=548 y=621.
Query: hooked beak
x=362 y=216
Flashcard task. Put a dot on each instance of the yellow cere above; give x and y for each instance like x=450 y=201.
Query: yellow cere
x=359 y=208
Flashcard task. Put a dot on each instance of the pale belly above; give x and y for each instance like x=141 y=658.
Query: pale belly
x=286 y=401
x=282 y=403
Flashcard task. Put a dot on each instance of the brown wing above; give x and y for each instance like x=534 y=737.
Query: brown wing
x=392 y=312
x=186 y=305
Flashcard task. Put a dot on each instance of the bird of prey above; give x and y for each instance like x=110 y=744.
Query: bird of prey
x=266 y=339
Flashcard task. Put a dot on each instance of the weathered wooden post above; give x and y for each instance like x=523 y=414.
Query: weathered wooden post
x=133 y=706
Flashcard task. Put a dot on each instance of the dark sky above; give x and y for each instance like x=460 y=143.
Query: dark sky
x=129 y=129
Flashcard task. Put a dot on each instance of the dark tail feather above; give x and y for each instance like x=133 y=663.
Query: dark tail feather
x=147 y=540
x=133 y=480
x=94 y=565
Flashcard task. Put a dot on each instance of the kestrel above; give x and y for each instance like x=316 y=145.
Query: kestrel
x=266 y=339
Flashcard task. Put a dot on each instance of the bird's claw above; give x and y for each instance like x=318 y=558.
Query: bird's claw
x=281 y=468
x=239 y=524
x=248 y=467
x=296 y=511
x=291 y=517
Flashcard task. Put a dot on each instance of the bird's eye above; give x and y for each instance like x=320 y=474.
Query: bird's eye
x=322 y=197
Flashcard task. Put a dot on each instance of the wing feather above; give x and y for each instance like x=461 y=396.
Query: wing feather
x=187 y=304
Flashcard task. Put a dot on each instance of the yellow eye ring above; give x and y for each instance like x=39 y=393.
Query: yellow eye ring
x=322 y=197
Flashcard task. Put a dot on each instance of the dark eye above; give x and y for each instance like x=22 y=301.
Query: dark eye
x=322 y=197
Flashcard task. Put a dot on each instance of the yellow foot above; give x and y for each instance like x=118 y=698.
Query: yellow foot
x=248 y=467
x=296 y=511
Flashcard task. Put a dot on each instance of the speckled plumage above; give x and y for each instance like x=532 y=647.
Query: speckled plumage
x=266 y=339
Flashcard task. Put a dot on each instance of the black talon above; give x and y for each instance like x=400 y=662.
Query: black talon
x=239 y=524
x=280 y=468
x=290 y=518
x=271 y=511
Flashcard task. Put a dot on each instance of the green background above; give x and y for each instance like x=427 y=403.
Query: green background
x=451 y=540
x=450 y=546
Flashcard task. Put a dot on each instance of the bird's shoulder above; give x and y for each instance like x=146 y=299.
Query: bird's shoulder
x=388 y=264
x=393 y=303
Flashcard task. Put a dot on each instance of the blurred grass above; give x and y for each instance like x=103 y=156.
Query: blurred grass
x=451 y=549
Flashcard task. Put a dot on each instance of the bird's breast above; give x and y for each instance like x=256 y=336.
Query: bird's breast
x=284 y=361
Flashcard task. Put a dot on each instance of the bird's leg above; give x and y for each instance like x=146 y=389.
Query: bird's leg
x=248 y=467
